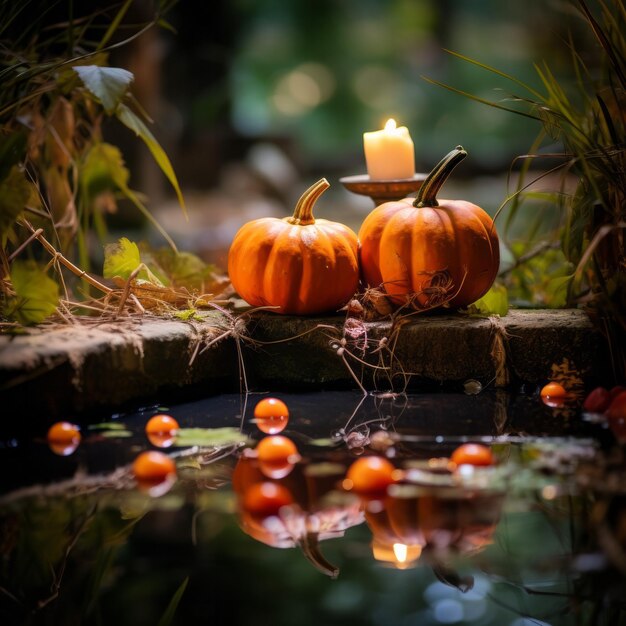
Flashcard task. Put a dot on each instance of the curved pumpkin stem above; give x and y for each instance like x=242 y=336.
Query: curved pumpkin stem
x=310 y=547
x=303 y=213
x=427 y=194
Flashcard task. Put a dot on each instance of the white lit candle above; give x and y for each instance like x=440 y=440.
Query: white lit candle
x=389 y=153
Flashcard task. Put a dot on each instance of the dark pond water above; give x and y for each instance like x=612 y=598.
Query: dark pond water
x=538 y=538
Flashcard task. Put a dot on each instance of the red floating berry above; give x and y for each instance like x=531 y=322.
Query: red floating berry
x=597 y=401
x=617 y=408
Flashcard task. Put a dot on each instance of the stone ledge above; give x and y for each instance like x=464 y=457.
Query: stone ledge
x=86 y=368
x=433 y=348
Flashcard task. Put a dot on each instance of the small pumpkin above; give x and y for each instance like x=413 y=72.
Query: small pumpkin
x=427 y=252
x=297 y=264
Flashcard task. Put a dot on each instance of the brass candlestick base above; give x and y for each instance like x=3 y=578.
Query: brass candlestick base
x=382 y=190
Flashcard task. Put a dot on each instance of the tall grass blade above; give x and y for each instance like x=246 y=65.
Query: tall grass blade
x=604 y=42
x=493 y=70
x=478 y=99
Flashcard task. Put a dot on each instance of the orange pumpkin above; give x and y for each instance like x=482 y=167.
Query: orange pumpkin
x=297 y=264
x=427 y=253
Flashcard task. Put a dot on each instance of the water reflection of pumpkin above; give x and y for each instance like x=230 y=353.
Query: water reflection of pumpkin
x=314 y=509
x=411 y=519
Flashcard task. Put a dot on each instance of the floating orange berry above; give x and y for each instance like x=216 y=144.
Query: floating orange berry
x=370 y=475
x=63 y=438
x=64 y=432
x=271 y=415
x=161 y=430
x=277 y=449
x=553 y=390
x=159 y=424
x=153 y=467
x=472 y=454
x=266 y=498
x=554 y=395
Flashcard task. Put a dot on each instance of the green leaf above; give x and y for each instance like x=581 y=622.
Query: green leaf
x=494 y=302
x=108 y=84
x=37 y=295
x=103 y=170
x=168 y=616
x=129 y=119
x=187 y=314
x=183 y=269
x=121 y=259
x=14 y=194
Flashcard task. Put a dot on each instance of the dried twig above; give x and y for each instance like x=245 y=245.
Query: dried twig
x=68 y=264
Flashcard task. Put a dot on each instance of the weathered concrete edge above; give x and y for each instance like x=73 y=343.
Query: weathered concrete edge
x=78 y=369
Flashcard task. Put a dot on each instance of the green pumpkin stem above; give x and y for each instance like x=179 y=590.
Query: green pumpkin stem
x=427 y=194
x=303 y=213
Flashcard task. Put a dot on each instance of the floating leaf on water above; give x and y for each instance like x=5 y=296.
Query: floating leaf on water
x=324 y=442
x=112 y=434
x=210 y=436
x=324 y=469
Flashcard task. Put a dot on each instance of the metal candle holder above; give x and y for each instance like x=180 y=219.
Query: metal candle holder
x=381 y=191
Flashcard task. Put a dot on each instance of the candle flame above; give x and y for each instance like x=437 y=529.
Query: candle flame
x=391 y=124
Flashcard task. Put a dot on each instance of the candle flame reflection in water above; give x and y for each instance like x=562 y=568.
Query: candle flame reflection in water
x=400 y=550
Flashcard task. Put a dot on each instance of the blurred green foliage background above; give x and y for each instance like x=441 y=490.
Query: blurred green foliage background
x=314 y=76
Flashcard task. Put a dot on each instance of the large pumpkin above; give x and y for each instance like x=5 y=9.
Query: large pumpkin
x=426 y=252
x=297 y=264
